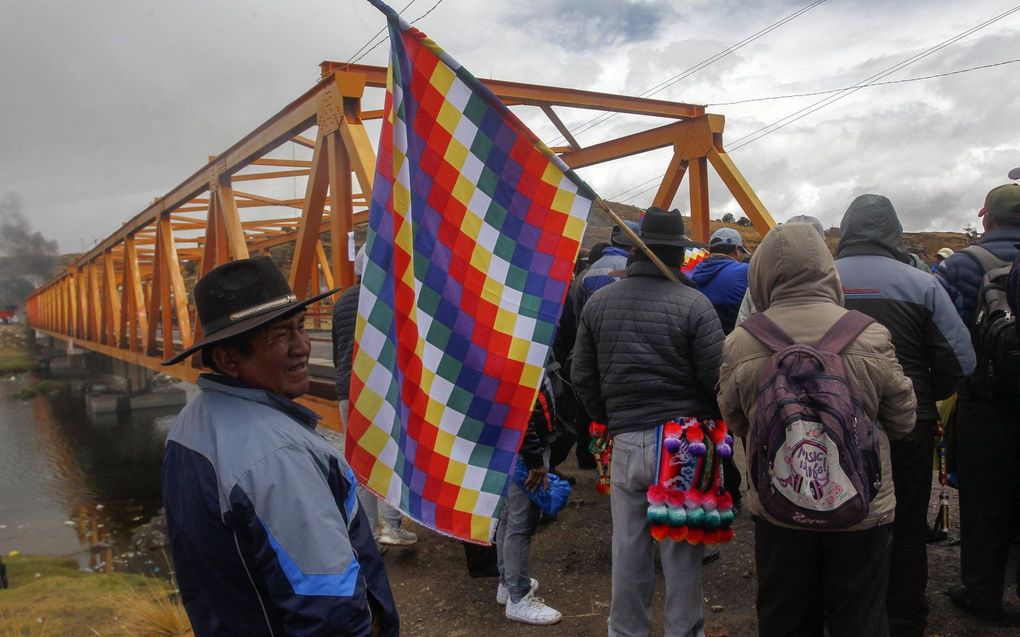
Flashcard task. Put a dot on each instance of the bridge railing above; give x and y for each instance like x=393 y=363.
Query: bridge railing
x=129 y=296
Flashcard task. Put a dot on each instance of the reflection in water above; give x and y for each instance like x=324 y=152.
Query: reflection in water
x=69 y=484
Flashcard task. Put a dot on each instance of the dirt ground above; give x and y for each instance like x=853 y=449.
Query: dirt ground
x=571 y=559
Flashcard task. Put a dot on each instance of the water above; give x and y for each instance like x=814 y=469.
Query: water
x=71 y=485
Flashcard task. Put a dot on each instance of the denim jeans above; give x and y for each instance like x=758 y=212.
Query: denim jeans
x=517 y=524
x=809 y=581
x=391 y=516
x=632 y=471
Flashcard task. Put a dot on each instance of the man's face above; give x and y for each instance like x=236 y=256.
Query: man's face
x=279 y=358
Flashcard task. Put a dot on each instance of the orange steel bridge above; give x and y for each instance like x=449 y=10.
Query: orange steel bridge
x=129 y=297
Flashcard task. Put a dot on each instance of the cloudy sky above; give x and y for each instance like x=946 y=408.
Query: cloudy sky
x=107 y=104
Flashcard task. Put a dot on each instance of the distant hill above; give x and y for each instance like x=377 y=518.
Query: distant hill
x=926 y=244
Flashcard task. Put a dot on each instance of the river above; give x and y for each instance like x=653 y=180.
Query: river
x=71 y=484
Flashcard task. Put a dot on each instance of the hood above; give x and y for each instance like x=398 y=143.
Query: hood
x=793 y=264
x=870 y=226
x=707 y=270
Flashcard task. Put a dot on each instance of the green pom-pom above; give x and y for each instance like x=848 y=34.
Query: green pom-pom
x=726 y=519
x=677 y=516
x=696 y=517
x=658 y=514
x=712 y=520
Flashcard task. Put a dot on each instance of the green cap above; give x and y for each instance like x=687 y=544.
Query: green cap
x=1002 y=201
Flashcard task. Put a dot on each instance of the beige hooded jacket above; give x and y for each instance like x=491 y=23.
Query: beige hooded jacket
x=794 y=281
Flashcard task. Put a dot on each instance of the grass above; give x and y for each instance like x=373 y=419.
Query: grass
x=16 y=350
x=50 y=597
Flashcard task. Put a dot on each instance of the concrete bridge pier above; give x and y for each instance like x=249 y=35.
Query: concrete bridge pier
x=125 y=386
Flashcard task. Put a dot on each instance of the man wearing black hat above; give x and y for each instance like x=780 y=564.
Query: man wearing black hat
x=265 y=529
x=648 y=350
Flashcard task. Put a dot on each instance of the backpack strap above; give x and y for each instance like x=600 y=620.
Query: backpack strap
x=844 y=331
x=765 y=330
x=993 y=266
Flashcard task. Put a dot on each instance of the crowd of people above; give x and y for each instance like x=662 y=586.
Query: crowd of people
x=827 y=370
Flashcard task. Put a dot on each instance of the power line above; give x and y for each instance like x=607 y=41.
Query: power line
x=661 y=86
x=377 y=33
x=871 y=81
x=807 y=110
x=837 y=90
x=415 y=21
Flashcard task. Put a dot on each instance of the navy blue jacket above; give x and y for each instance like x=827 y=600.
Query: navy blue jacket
x=345 y=315
x=724 y=282
x=598 y=275
x=961 y=274
x=932 y=343
x=265 y=529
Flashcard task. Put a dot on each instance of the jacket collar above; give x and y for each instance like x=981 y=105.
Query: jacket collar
x=649 y=269
x=233 y=387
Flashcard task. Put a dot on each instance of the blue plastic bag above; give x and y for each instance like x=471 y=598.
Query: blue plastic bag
x=550 y=500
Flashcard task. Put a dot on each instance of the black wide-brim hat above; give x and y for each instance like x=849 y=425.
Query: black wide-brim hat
x=665 y=228
x=240 y=296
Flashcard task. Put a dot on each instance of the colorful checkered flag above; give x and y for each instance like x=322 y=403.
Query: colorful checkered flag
x=473 y=232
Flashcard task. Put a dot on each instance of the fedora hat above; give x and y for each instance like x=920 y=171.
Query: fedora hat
x=664 y=228
x=240 y=296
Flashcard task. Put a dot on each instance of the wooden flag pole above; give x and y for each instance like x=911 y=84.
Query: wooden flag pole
x=599 y=201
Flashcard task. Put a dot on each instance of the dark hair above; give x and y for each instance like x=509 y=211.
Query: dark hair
x=672 y=256
x=596 y=252
x=722 y=248
x=1011 y=221
x=240 y=344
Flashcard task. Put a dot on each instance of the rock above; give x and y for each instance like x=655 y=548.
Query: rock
x=717 y=608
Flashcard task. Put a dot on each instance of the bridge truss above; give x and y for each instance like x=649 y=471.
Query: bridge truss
x=128 y=297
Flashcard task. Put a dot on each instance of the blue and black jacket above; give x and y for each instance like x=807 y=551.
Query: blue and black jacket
x=723 y=280
x=961 y=274
x=265 y=528
x=932 y=343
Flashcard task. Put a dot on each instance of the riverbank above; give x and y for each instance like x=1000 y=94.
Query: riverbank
x=52 y=597
x=17 y=350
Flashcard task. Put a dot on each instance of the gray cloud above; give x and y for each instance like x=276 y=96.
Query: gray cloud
x=594 y=24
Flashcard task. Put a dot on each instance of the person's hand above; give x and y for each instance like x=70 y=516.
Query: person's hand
x=536 y=478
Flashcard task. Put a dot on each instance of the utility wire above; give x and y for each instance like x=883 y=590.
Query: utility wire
x=807 y=110
x=415 y=21
x=837 y=90
x=661 y=86
x=871 y=81
x=377 y=33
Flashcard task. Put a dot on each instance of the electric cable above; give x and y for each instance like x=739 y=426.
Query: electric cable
x=837 y=90
x=415 y=21
x=820 y=104
x=661 y=86
x=870 y=81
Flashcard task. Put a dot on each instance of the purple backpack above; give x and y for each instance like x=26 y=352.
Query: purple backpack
x=815 y=463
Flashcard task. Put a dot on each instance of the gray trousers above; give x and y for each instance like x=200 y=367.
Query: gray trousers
x=632 y=471
x=391 y=516
x=517 y=524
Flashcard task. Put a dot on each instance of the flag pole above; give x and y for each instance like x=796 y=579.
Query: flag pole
x=601 y=203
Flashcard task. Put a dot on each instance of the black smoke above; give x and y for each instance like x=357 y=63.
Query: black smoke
x=27 y=258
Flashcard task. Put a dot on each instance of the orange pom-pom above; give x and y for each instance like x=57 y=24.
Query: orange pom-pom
x=659 y=531
x=711 y=537
x=678 y=533
x=695 y=536
x=725 y=535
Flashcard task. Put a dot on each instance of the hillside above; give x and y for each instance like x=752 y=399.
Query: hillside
x=926 y=244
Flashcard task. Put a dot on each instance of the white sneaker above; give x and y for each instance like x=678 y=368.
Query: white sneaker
x=503 y=593
x=532 y=610
x=396 y=536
